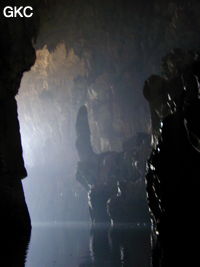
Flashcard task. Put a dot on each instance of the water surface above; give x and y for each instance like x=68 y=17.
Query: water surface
x=79 y=245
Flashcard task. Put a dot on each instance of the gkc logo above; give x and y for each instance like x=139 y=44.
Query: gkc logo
x=14 y=12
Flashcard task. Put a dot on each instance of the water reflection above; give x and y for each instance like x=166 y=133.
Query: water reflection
x=78 y=245
x=121 y=246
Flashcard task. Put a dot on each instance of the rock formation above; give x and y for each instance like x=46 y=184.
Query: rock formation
x=173 y=167
x=113 y=180
x=96 y=53
x=17 y=56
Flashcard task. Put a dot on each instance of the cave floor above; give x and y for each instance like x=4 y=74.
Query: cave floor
x=80 y=245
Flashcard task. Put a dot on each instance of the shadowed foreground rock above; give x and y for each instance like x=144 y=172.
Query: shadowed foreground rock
x=114 y=180
x=17 y=56
x=14 y=247
x=174 y=165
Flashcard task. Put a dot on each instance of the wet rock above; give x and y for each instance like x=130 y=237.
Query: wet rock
x=172 y=169
x=83 y=143
x=114 y=180
x=95 y=172
x=14 y=246
x=129 y=204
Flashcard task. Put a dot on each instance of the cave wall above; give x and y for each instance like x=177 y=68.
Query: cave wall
x=116 y=44
x=173 y=165
x=109 y=48
x=98 y=54
x=120 y=43
x=17 y=56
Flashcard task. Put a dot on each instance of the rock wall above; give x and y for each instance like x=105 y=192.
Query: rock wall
x=17 y=56
x=98 y=54
x=117 y=44
x=173 y=166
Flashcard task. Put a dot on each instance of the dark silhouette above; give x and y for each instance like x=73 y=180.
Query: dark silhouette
x=173 y=167
x=114 y=180
x=14 y=247
x=17 y=55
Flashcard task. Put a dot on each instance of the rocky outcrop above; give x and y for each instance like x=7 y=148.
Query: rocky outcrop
x=113 y=180
x=173 y=167
x=14 y=243
x=17 y=56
